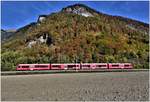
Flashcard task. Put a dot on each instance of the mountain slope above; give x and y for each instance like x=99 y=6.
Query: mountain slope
x=6 y=34
x=79 y=34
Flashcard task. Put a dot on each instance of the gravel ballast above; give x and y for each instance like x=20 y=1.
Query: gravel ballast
x=111 y=86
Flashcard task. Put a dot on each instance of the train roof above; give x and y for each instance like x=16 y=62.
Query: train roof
x=33 y=64
x=70 y=63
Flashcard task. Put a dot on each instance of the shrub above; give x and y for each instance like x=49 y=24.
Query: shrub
x=110 y=59
x=9 y=60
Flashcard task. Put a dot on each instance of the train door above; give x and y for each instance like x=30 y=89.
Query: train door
x=31 y=67
x=121 y=66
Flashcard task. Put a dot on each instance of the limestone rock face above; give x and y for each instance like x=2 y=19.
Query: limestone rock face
x=31 y=43
x=44 y=38
x=42 y=18
x=78 y=9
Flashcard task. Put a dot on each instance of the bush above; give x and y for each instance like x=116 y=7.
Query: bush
x=22 y=60
x=138 y=66
x=110 y=59
x=9 y=60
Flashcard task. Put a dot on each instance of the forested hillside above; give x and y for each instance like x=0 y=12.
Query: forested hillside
x=78 y=34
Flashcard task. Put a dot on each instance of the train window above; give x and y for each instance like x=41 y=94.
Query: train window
x=56 y=66
x=126 y=65
x=36 y=66
x=25 y=66
x=43 y=66
x=85 y=65
x=100 y=65
x=115 y=65
x=70 y=66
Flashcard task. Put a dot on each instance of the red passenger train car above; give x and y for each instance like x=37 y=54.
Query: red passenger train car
x=74 y=66
x=34 y=67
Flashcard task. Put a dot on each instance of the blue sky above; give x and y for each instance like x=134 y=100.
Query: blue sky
x=16 y=14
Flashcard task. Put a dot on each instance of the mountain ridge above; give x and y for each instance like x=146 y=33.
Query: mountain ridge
x=93 y=10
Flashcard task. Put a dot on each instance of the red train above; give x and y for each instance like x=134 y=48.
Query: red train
x=74 y=66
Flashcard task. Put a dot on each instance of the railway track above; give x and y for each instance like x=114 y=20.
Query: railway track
x=68 y=71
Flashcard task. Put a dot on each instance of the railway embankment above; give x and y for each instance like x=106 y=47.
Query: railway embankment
x=68 y=71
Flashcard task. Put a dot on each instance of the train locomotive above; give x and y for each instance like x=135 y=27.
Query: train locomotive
x=74 y=66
